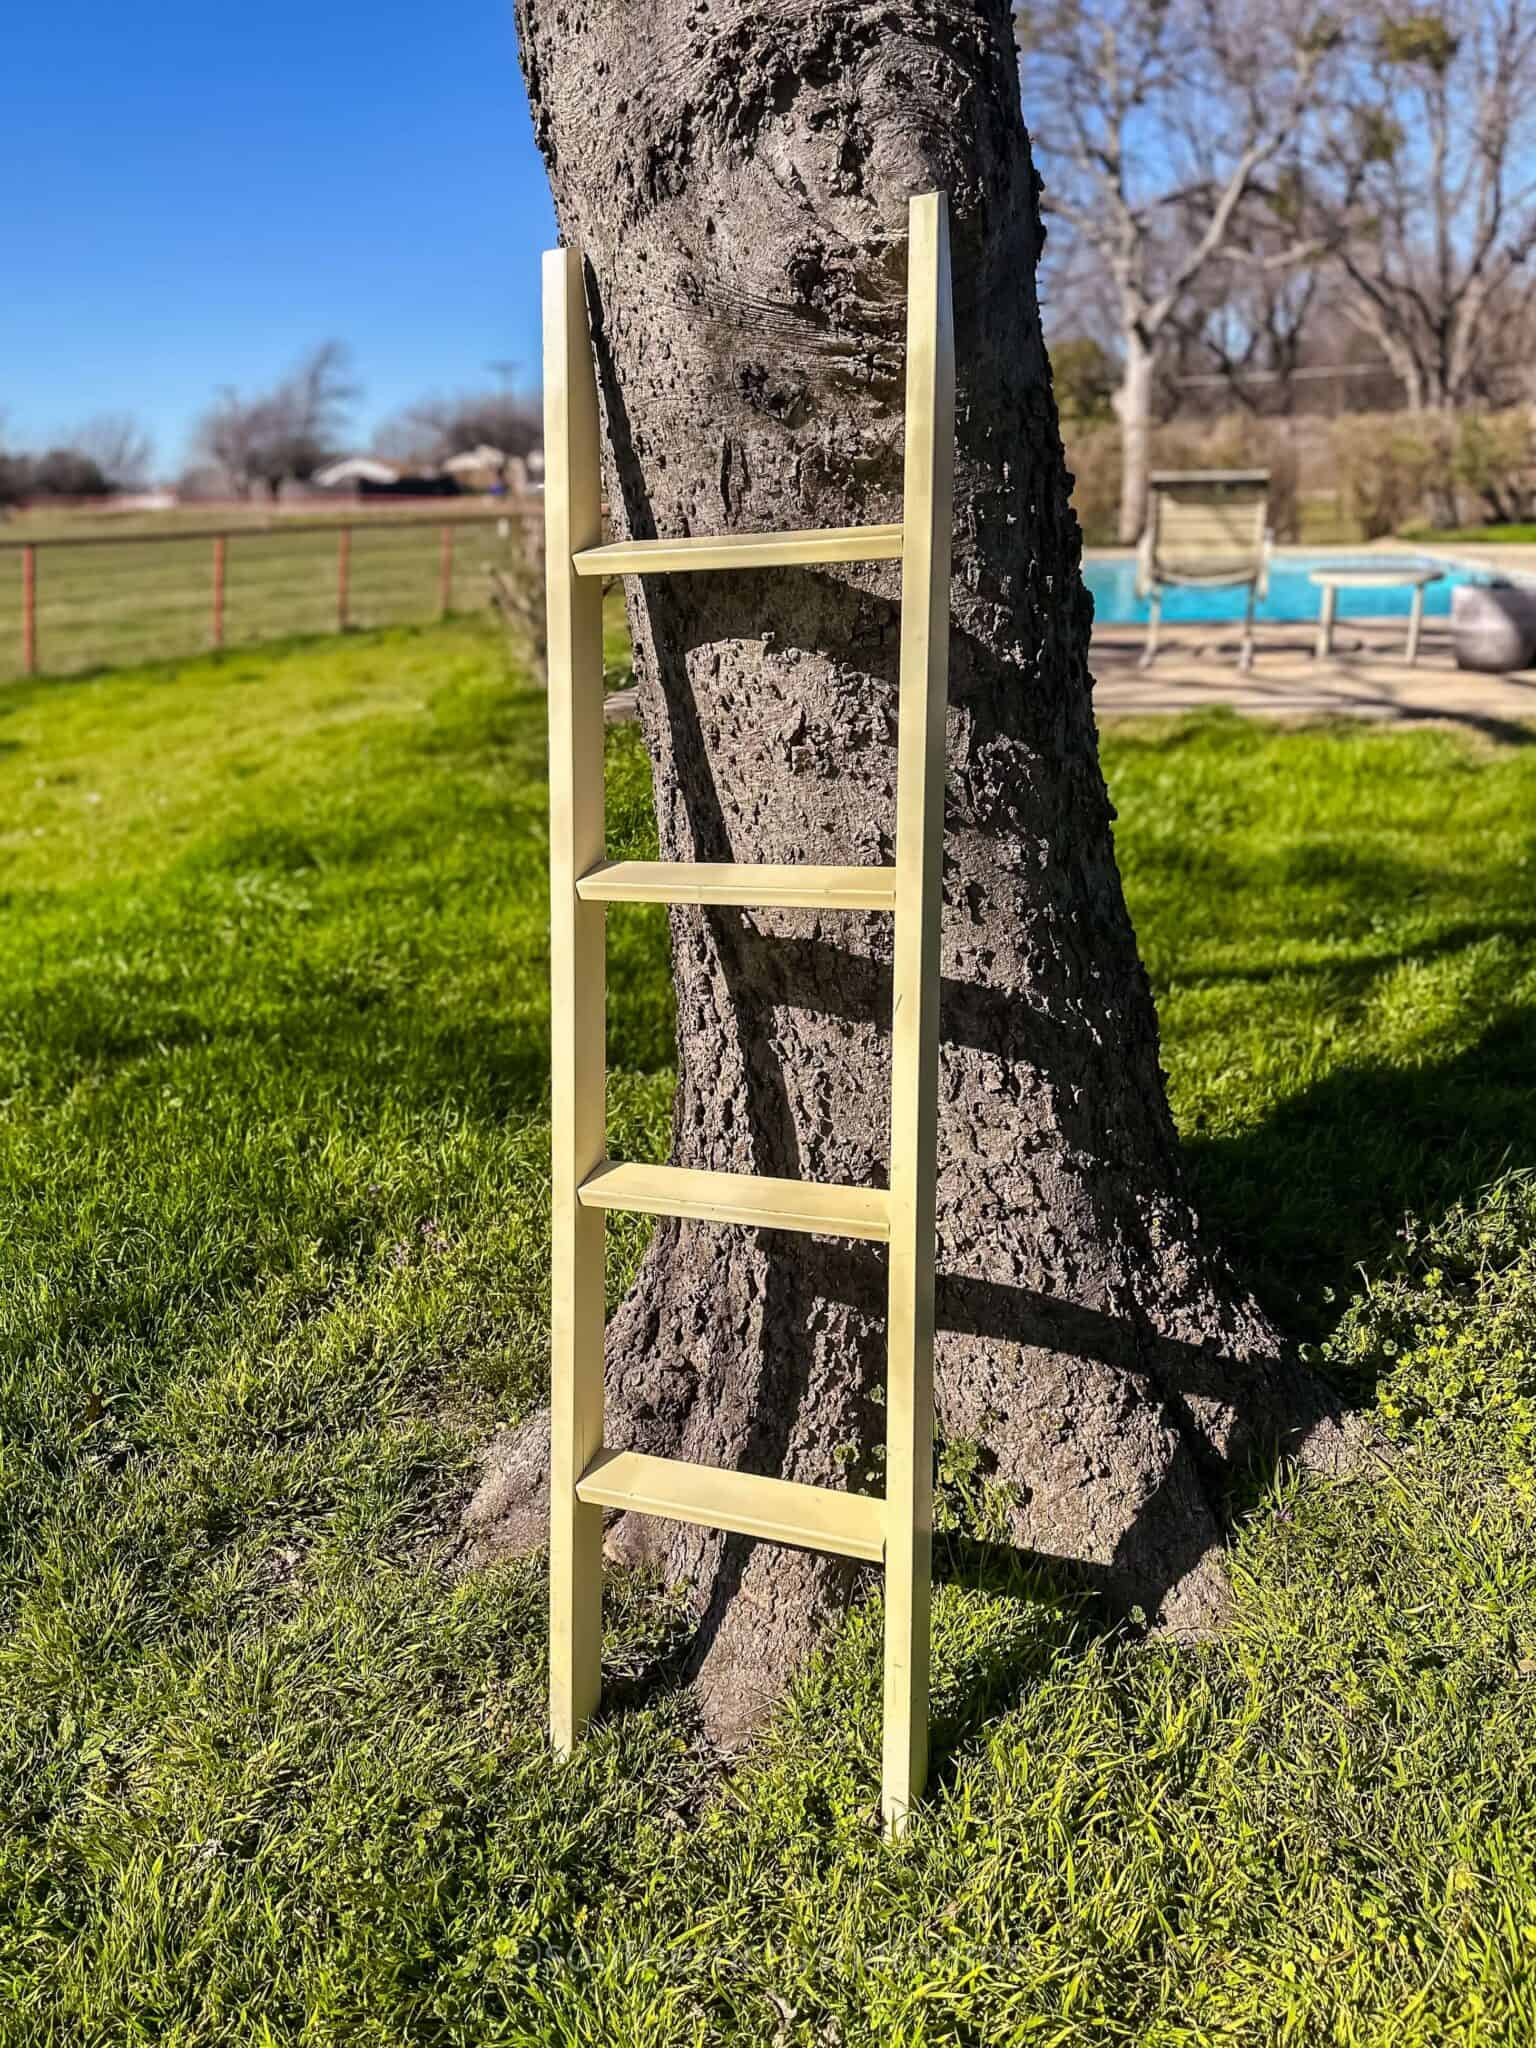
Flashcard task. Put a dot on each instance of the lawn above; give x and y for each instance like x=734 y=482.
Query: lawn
x=1517 y=534
x=273 y=1044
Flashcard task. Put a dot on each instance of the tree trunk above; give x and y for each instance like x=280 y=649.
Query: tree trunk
x=737 y=181
x=1133 y=409
x=1434 y=425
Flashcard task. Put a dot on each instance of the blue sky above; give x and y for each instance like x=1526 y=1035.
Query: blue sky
x=194 y=194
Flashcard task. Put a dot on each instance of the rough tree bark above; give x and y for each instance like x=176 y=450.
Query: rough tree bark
x=736 y=174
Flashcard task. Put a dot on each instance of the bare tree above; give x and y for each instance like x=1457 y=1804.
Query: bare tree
x=287 y=432
x=230 y=435
x=64 y=470
x=742 y=219
x=310 y=406
x=1434 y=186
x=1157 y=120
x=13 y=470
x=118 y=446
x=1243 y=331
x=433 y=429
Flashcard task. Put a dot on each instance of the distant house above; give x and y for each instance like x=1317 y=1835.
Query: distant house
x=492 y=469
x=355 y=471
x=145 y=501
x=366 y=477
x=479 y=469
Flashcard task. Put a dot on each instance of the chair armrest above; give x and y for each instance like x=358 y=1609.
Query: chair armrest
x=1261 y=581
x=1146 y=574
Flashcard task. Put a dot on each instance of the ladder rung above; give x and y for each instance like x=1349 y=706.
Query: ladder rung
x=741 y=551
x=744 y=1198
x=778 y=1510
x=758 y=888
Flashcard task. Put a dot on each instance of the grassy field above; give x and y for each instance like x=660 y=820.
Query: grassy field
x=1515 y=535
x=109 y=518
x=273 y=1241
x=143 y=587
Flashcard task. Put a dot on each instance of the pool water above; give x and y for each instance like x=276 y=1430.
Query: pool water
x=1292 y=595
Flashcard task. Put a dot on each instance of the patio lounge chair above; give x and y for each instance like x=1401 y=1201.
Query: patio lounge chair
x=1207 y=529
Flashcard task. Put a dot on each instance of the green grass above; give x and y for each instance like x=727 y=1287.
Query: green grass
x=272 y=1263
x=1520 y=535
x=257 y=514
x=104 y=601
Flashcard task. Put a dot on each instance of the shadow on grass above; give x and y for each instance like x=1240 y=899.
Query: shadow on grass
x=1322 y=1186
x=1352 y=976
x=1057 y=1608
x=1301 y=1201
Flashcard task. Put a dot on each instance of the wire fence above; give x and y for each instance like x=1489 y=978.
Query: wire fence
x=73 y=602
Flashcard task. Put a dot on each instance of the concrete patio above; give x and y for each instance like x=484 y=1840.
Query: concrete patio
x=1366 y=677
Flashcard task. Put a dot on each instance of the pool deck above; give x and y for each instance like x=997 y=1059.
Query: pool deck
x=1366 y=677
x=1509 y=558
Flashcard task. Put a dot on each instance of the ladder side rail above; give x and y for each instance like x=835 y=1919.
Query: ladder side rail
x=573 y=521
x=923 y=698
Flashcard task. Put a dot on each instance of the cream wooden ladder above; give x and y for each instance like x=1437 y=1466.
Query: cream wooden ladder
x=588 y=1476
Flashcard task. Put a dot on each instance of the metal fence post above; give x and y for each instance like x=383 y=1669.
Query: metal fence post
x=218 y=589
x=343 y=576
x=29 y=609
x=445 y=572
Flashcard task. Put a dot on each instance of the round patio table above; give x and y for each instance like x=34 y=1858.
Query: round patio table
x=1378 y=575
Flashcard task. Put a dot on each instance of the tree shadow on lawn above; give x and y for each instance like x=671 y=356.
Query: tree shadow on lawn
x=1301 y=1201
x=1039 y=1609
x=1322 y=1186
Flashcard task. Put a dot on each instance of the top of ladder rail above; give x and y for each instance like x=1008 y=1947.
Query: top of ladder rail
x=741 y=551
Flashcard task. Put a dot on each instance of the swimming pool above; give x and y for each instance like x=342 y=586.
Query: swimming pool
x=1292 y=596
